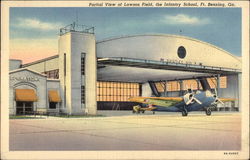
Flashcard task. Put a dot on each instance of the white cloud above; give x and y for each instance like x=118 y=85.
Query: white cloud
x=37 y=24
x=185 y=19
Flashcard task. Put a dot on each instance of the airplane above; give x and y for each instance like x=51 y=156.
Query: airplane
x=201 y=100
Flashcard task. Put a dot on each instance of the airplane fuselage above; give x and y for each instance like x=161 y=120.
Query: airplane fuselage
x=205 y=97
x=200 y=100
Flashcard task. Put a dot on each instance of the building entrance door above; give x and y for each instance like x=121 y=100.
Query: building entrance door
x=24 y=107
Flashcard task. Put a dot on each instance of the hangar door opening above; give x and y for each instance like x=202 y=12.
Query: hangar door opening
x=178 y=78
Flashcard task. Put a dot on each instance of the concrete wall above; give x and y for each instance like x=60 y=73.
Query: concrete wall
x=233 y=89
x=39 y=85
x=14 y=64
x=64 y=48
x=53 y=84
x=157 y=47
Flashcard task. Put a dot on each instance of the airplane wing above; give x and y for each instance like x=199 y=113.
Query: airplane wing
x=227 y=99
x=148 y=109
x=159 y=101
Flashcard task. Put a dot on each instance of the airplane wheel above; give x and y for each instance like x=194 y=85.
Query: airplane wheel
x=184 y=112
x=208 y=112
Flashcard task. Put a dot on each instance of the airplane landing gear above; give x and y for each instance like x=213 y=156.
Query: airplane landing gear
x=136 y=109
x=208 y=111
x=184 y=112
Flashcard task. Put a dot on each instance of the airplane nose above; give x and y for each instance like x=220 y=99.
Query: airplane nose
x=208 y=94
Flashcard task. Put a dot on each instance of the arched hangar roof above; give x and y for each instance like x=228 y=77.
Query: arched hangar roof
x=168 y=48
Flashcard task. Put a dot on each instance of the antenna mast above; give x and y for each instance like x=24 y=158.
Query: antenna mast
x=76 y=17
x=180 y=31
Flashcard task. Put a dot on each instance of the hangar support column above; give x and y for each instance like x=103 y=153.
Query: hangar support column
x=198 y=84
x=218 y=85
x=146 y=90
x=181 y=88
x=165 y=88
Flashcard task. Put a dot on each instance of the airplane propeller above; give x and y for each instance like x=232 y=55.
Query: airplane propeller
x=217 y=100
x=189 y=99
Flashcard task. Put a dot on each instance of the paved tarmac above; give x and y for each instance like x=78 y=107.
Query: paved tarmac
x=220 y=131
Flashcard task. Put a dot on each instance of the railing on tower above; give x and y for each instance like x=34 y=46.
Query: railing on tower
x=74 y=27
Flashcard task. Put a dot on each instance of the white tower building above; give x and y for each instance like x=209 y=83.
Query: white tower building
x=77 y=70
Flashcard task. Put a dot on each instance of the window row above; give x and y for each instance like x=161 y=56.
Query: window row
x=187 y=84
x=82 y=94
x=117 y=91
x=117 y=85
x=113 y=98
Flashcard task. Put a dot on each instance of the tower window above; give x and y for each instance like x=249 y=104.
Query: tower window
x=83 y=63
x=82 y=94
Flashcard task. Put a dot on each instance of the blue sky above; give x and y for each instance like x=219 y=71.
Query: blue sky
x=218 y=26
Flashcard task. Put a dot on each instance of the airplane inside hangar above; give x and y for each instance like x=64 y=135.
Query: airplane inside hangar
x=89 y=75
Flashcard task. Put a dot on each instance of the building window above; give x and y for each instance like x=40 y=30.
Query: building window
x=181 y=52
x=83 y=63
x=52 y=105
x=53 y=74
x=191 y=84
x=64 y=64
x=213 y=82
x=82 y=94
x=160 y=86
x=173 y=86
x=117 y=91
x=223 y=82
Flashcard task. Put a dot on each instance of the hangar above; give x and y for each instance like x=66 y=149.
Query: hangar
x=88 y=75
